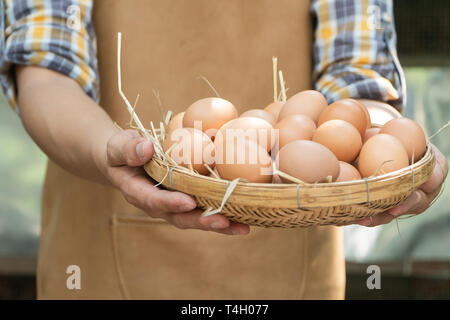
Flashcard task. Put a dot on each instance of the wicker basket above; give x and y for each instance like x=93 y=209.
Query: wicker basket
x=292 y=205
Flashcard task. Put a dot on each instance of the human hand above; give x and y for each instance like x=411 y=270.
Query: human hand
x=419 y=201
x=126 y=153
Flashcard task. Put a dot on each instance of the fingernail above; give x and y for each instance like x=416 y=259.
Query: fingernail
x=365 y=222
x=396 y=211
x=217 y=225
x=140 y=150
x=187 y=207
x=234 y=232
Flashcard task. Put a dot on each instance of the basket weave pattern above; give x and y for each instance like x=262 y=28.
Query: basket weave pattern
x=292 y=205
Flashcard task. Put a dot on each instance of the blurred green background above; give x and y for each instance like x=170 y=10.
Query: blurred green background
x=426 y=236
x=22 y=168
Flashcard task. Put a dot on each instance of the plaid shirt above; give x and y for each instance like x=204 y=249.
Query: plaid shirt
x=354 y=46
x=55 y=34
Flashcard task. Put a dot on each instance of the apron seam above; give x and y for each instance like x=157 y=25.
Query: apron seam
x=305 y=265
x=122 y=287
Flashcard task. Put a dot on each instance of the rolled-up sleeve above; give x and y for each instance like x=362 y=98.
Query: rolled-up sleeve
x=355 y=51
x=54 y=34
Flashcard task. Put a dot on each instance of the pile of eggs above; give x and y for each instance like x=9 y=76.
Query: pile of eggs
x=303 y=139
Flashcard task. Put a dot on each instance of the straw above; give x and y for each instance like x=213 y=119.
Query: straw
x=229 y=190
x=275 y=80
x=212 y=171
x=119 y=84
x=168 y=117
x=283 y=88
x=440 y=130
x=288 y=177
x=160 y=105
x=210 y=85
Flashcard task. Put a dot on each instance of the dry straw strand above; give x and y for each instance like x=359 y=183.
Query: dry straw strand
x=130 y=123
x=288 y=177
x=275 y=80
x=283 y=88
x=168 y=117
x=117 y=125
x=229 y=190
x=158 y=100
x=210 y=85
x=119 y=84
x=440 y=130
x=212 y=171
x=379 y=169
x=162 y=131
x=281 y=93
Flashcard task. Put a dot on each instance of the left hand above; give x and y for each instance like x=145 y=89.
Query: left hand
x=419 y=201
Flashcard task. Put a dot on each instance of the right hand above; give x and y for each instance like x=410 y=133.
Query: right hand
x=126 y=153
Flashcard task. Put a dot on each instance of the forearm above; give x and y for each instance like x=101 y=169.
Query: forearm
x=66 y=124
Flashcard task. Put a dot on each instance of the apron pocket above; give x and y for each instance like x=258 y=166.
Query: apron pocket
x=155 y=260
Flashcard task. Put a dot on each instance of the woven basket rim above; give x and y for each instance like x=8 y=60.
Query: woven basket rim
x=376 y=190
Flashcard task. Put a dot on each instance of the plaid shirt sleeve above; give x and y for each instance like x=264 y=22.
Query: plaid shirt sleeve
x=55 y=34
x=355 y=51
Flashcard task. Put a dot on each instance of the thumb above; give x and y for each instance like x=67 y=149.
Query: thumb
x=128 y=148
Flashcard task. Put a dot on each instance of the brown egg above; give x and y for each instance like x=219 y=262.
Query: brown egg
x=308 y=161
x=176 y=122
x=274 y=108
x=382 y=154
x=410 y=135
x=363 y=108
x=294 y=127
x=366 y=112
x=210 y=114
x=243 y=158
x=259 y=113
x=194 y=148
x=310 y=103
x=341 y=138
x=346 y=110
x=380 y=112
x=255 y=129
x=370 y=133
x=347 y=172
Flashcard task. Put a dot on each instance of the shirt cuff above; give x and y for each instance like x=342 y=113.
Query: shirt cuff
x=57 y=35
x=355 y=51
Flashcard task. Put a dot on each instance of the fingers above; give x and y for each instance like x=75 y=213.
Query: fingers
x=216 y=223
x=417 y=199
x=128 y=148
x=416 y=203
x=140 y=192
x=175 y=207
x=378 y=219
x=439 y=173
x=421 y=199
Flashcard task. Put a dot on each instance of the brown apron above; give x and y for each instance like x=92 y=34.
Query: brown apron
x=121 y=252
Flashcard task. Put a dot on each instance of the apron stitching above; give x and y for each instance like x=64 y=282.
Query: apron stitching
x=305 y=266
x=122 y=286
